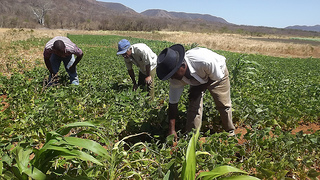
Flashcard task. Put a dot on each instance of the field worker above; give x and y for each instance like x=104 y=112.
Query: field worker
x=203 y=70
x=144 y=58
x=62 y=49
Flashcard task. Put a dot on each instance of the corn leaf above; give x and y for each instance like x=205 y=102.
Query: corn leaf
x=89 y=145
x=189 y=165
x=241 y=177
x=65 y=129
x=86 y=157
x=23 y=164
x=219 y=171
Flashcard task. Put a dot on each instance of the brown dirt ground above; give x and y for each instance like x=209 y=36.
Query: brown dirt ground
x=3 y=104
x=306 y=128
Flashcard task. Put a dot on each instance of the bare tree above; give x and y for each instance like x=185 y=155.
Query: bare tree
x=40 y=9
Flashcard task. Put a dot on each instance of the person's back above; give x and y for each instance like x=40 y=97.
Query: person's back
x=62 y=49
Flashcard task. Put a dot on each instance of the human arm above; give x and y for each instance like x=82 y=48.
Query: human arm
x=132 y=76
x=48 y=65
x=208 y=70
x=195 y=91
x=175 y=92
x=73 y=67
x=77 y=60
x=172 y=114
x=148 y=79
x=148 y=57
x=46 y=56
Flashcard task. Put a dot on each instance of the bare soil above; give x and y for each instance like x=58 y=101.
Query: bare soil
x=305 y=127
x=3 y=104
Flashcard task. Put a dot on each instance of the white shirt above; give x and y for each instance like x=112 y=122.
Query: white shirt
x=142 y=55
x=203 y=64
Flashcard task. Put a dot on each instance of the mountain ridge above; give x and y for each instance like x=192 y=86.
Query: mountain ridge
x=173 y=15
x=315 y=28
x=182 y=15
x=100 y=15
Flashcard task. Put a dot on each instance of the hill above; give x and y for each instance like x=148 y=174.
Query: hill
x=305 y=28
x=117 y=7
x=97 y=15
x=182 y=15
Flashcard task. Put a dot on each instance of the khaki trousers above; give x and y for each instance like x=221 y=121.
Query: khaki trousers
x=220 y=91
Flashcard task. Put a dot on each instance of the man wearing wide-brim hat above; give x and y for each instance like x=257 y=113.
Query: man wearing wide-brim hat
x=203 y=70
x=144 y=58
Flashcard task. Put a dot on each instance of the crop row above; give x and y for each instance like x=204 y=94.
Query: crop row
x=269 y=95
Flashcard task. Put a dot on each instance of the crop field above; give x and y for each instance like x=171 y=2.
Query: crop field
x=101 y=129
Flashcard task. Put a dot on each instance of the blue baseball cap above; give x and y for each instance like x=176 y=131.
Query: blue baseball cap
x=123 y=46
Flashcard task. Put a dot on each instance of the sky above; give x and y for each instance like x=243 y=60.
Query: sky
x=270 y=13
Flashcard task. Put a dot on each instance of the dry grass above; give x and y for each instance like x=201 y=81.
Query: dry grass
x=13 y=57
x=235 y=43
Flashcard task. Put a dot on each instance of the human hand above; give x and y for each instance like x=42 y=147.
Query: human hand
x=148 y=80
x=174 y=133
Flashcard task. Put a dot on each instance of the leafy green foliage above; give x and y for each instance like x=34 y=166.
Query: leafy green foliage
x=103 y=130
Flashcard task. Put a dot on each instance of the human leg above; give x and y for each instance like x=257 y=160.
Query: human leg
x=55 y=62
x=194 y=112
x=220 y=91
x=73 y=76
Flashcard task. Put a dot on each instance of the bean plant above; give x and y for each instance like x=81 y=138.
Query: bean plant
x=102 y=129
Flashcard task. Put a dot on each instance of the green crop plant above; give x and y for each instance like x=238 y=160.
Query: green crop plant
x=270 y=96
x=189 y=165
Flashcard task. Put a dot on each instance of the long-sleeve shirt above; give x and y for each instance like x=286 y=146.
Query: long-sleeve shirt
x=71 y=48
x=203 y=64
x=142 y=55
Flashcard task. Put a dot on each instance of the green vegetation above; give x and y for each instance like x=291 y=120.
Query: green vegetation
x=308 y=39
x=103 y=130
